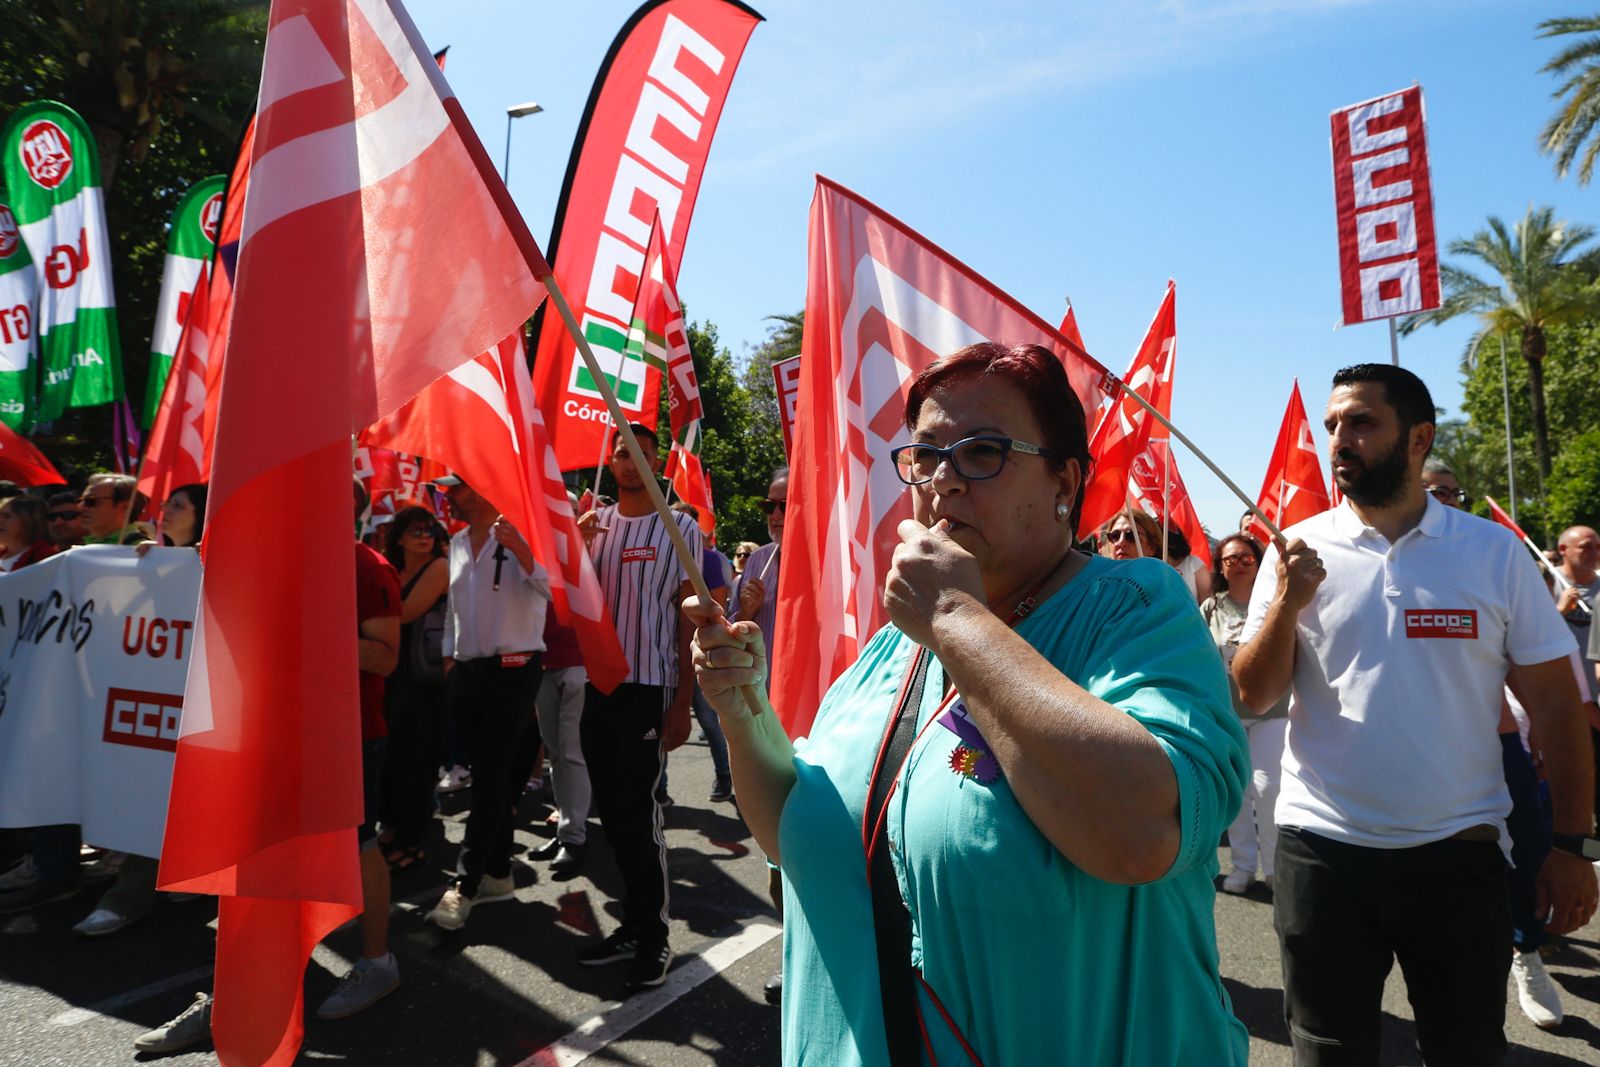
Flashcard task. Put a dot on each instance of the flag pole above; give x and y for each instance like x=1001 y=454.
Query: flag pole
x=1511 y=460
x=1133 y=527
x=1250 y=505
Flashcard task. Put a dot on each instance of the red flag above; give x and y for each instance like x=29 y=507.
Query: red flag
x=1293 y=488
x=1069 y=327
x=1499 y=515
x=881 y=303
x=641 y=148
x=480 y=420
x=365 y=181
x=24 y=464
x=219 y=303
x=1125 y=429
x=1157 y=486
x=174 y=455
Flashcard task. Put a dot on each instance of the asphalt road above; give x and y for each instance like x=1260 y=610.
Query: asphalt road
x=506 y=991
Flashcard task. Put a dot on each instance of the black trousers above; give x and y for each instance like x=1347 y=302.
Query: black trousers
x=494 y=707
x=1344 y=913
x=622 y=745
x=414 y=711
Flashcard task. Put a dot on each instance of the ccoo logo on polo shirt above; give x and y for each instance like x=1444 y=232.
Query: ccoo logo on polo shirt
x=1442 y=622
x=646 y=554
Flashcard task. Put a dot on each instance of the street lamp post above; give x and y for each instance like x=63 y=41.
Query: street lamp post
x=515 y=112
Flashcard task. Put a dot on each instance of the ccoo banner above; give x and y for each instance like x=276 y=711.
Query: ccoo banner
x=52 y=172
x=193 y=234
x=94 y=647
x=1388 y=260
x=641 y=148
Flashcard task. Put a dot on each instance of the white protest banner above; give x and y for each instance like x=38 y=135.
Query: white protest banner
x=94 y=647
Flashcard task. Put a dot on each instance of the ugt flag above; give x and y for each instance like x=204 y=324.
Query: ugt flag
x=191 y=238
x=364 y=176
x=658 y=332
x=19 y=292
x=882 y=302
x=52 y=171
x=1293 y=488
x=641 y=148
x=481 y=422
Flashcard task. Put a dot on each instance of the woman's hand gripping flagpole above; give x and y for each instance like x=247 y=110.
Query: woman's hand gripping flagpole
x=1272 y=528
x=691 y=566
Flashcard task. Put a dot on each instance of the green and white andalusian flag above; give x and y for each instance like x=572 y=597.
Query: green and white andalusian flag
x=19 y=292
x=190 y=242
x=52 y=171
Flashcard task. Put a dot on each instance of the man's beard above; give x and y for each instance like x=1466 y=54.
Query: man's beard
x=1379 y=483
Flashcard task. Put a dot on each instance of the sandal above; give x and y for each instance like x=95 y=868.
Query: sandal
x=403 y=859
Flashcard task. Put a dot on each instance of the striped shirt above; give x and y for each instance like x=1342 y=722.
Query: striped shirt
x=640 y=576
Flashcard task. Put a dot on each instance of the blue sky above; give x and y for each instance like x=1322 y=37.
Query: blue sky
x=1070 y=148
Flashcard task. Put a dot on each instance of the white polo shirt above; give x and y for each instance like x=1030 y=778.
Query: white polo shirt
x=482 y=621
x=1399 y=663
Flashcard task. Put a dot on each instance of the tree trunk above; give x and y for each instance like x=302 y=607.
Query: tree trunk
x=1533 y=350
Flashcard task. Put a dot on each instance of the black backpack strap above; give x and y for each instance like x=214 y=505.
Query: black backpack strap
x=891 y=921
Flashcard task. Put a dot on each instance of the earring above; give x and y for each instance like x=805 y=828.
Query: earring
x=1062 y=511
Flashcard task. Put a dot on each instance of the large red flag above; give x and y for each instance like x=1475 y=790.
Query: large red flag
x=481 y=422
x=1293 y=488
x=24 y=464
x=658 y=331
x=174 y=455
x=641 y=148
x=1126 y=427
x=224 y=268
x=379 y=250
x=882 y=303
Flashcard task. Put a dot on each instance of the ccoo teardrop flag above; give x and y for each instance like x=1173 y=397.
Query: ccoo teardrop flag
x=19 y=349
x=52 y=171
x=191 y=238
x=1293 y=488
x=364 y=176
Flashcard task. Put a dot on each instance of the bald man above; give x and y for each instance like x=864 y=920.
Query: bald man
x=1578 y=550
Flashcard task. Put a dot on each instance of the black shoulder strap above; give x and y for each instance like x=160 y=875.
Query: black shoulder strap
x=890 y=920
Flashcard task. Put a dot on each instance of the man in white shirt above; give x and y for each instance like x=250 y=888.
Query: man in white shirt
x=626 y=733
x=493 y=646
x=1393 y=803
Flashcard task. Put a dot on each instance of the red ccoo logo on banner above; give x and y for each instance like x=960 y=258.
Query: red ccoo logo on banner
x=1388 y=260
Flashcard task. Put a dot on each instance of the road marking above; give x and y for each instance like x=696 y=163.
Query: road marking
x=611 y=1023
x=74 y=1016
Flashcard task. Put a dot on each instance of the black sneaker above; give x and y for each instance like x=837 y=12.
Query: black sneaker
x=623 y=944
x=721 y=791
x=650 y=966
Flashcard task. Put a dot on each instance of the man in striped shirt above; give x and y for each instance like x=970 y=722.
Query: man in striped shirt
x=626 y=733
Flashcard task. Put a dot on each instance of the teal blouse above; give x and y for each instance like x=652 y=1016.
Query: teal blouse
x=1035 y=961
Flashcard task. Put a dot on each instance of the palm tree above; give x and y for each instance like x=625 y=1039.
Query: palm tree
x=1541 y=284
x=1574 y=124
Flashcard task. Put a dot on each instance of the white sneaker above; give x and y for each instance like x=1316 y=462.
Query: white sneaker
x=493 y=890
x=100 y=922
x=454 y=780
x=1238 y=881
x=452 y=910
x=368 y=982
x=1537 y=995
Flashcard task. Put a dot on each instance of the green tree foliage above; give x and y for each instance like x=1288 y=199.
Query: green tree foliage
x=743 y=440
x=1541 y=283
x=1571 y=130
x=1574 y=486
x=166 y=87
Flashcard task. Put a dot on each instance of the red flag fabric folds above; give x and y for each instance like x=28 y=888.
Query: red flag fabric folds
x=175 y=455
x=24 y=464
x=882 y=302
x=364 y=178
x=1126 y=427
x=1155 y=465
x=1498 y=514
x=1293 y=488
x=481 y=422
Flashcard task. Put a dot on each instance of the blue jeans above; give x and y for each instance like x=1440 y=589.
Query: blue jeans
x=1530 y=842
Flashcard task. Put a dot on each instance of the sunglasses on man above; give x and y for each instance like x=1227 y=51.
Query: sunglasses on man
x=64 y=516
x=769 y=506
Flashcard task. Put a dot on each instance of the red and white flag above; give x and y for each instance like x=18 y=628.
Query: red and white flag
x=1125 y=429
x=1498 y=514
x=1158 y=488
x=23 y=463
x=175 y=454
x=641 y=149
x=1293 y=489
x=882 y=303
x=481 y=422
x=379 y=250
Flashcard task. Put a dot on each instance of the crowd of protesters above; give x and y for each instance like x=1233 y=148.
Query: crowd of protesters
x=1388 y=716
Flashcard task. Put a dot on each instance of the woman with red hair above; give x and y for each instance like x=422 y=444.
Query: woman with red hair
x=1032 y=762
